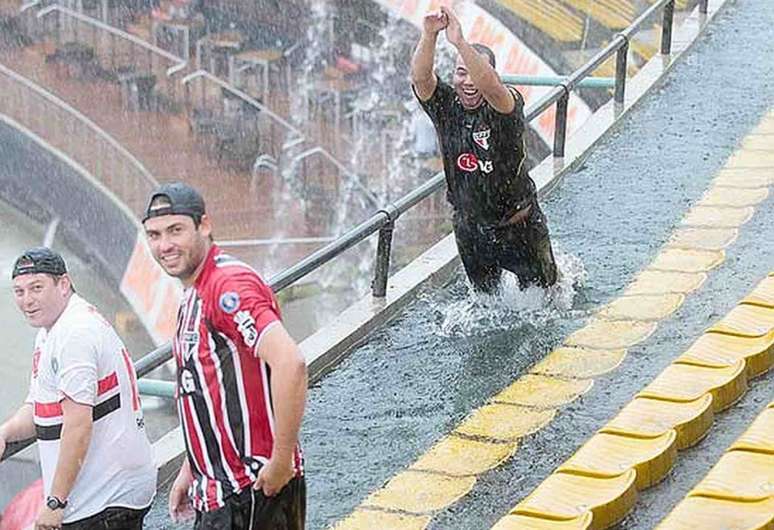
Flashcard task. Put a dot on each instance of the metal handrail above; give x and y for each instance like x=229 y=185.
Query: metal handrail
x=179 y=65
x=383 y=220
x=51 y=98
x=341 y=167
x=242 y=95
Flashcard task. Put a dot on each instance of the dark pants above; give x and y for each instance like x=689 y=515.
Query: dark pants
x=252 y=510
x=522 y=248
x=111 y=519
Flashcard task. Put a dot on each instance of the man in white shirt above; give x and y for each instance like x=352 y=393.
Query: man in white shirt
x=83 y=406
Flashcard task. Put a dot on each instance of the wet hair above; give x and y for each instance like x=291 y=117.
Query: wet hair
x=486 y=50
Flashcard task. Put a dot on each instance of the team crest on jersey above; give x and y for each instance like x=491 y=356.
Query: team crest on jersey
x=246 y=326
x=229 y=302
x=187 y=383
x=190 y=340
x=482 y=138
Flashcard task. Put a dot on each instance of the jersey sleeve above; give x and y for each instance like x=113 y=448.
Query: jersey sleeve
x=245 y=309
x=439 y=101
x=77 y=366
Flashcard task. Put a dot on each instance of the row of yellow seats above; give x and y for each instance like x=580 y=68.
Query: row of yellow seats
x=739 y=491
x=549 y=16
x=598 y=485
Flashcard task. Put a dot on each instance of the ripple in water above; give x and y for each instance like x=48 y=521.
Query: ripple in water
x=477 y=313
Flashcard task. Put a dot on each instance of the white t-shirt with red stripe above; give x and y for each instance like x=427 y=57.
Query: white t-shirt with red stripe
x=82 y=358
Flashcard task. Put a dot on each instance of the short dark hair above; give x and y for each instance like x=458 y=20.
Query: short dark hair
x=486 y=50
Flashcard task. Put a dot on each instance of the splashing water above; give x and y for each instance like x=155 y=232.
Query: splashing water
x=511 y=307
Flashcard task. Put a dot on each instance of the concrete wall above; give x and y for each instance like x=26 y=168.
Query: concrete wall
x=42 y=185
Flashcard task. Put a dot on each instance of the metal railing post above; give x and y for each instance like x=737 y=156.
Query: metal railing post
x=666 y=28
x=703 y=4
x=560 y=128
x=620 y=70
x=384 y=252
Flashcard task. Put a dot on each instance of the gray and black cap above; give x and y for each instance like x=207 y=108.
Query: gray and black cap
x=39 y=260
x=175 y=198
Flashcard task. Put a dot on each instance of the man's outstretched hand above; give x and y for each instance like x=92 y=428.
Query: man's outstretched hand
x=453 y=28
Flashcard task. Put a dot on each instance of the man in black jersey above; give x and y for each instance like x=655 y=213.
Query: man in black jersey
x=498 y=223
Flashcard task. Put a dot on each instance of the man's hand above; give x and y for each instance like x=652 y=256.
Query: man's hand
x=434 y=22
x=273 y=476
x=453 y=28
x=49 y=519
x=180 y=508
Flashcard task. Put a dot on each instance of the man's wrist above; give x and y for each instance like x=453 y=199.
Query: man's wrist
x=56 y=502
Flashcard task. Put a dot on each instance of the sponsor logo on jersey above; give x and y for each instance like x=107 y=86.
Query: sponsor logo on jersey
x=467 y=162
x=229 y=302
x=482 y=138
x=246 y=326
x=486 y=166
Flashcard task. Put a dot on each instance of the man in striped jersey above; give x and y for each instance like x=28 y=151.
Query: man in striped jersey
x=83 y=407
x=241 y=379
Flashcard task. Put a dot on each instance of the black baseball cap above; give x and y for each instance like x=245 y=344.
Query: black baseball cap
x=175 y=198
x=39 y=260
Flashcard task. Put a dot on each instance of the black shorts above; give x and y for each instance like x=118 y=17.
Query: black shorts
x=110 y=519
x=523 y=249
x=252 y=510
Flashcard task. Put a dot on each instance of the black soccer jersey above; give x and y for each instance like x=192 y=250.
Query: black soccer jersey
x=484 y=156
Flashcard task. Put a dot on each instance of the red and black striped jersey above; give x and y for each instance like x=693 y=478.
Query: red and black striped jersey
x=223 y=386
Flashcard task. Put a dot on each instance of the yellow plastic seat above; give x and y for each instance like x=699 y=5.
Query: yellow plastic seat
x=681 y=260
x=746 y=321
x=542 y=392
x=657 y=282
x=650 y=417
x=702 y=238
x=567 y=496
x=523 y=522
x=763 y=294
x=609 y=455
x=611 y=335
x=695 y=513
x=462 y=457
x=709 y=216
x=642 y=307
x=371 y=519
x=739 y=476
x=683 y=382
x=579 y=363
x=504 y=422
x=716 y=350
x=744 y=178
x=735 y=197
x=419 y=493
x=751 y=158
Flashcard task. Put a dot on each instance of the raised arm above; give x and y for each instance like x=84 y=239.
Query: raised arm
x=422 y=75
x=481 y=72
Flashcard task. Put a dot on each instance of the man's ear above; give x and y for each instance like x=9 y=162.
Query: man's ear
x=205 y=226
